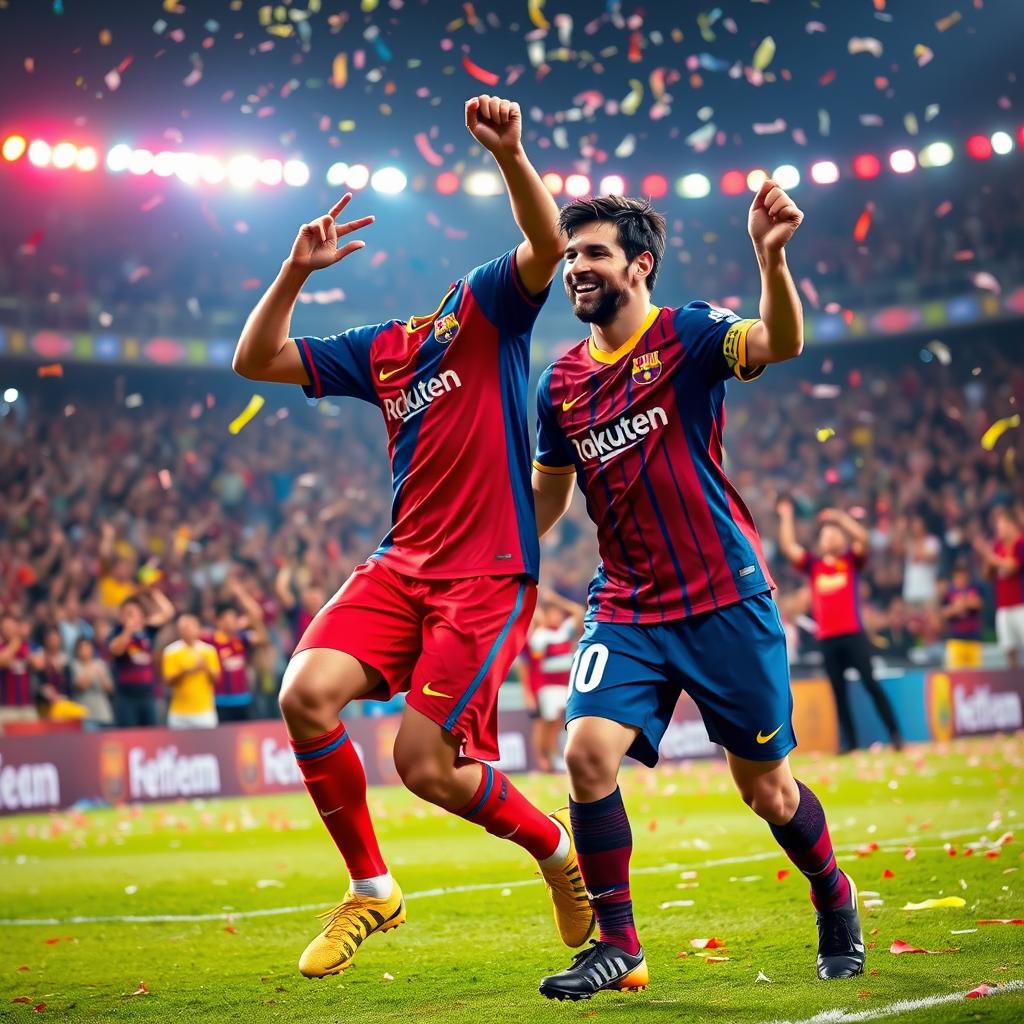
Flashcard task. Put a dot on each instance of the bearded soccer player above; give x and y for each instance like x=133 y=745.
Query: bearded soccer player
x=681 y=599
x=441 y=608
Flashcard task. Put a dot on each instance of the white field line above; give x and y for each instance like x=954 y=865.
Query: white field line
x=900 y=1007
x=893 y=846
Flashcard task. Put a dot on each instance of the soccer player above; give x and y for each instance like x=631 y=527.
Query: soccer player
x=551 y=641
x=441 y=608
x=834 y=574
x=681 y=599
x=1003 y=563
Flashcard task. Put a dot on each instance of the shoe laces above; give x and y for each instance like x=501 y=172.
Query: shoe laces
x=835 y=933
x=584 y=956
x=342 y=917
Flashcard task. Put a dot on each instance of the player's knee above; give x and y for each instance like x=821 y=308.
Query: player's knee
x=426 y=779
x=306 y=698
x=590 y=767
x=768 y=800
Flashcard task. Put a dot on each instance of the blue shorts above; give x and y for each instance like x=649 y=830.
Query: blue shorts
x=731 y=661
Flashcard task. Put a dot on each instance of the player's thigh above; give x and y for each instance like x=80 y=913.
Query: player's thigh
x=363 y=643
x=471 y=632
x=1015 y=619
x=619 y=674
x=734 y=665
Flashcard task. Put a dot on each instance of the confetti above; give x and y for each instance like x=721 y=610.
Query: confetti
x=863 y=225
x=479 y=73
x=899 y=946
x=535 y=9
x=762 y=977
x=937 y=904
x=764 y=54
x=631 y=103
x=996 y=431
x=823 y=434
x=426 y=150
x=50 y=370
x=865 y=44
x=1001 y=920
x=948 y=22
x=711 y=943
x=254 y=406
x=140 y=991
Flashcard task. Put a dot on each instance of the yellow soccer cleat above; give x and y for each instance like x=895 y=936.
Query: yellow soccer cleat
x=352 y=921
x=573 y=915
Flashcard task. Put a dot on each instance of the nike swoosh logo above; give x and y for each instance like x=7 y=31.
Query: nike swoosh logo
x=327 y=814
x=385 y=374
x=429 y=691
x=566 y=406
x=764 y=739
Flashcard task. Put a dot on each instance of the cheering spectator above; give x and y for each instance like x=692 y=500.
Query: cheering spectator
x=835 y=581
x=131 y=648
x=16 y=698
x=234 y=645
x=92 y=684
x=1004 y=563
x=961 y=610
x=192 y=670
x=921 y=569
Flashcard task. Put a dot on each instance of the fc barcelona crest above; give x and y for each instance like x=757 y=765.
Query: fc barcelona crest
x=445 y=328
x=646 y=367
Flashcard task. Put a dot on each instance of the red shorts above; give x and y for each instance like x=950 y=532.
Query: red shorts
x=449 y=643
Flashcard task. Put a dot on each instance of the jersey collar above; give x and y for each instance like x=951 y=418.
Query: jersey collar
x=624 y=349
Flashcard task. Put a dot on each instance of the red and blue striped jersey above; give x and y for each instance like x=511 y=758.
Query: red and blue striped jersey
x=452 y=389
x=233 y=654
x=642 y=429
x=16 y=680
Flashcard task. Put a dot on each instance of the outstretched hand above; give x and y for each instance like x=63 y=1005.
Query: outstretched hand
x=316 y=245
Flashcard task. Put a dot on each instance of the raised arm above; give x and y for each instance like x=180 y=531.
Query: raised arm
x=779 y=334
x=858 y=534
x=264 y=351
x=791 y=550
x=497 y=125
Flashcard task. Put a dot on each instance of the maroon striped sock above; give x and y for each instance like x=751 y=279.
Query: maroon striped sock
x=335 y=779
x=806 y=842
x=604 y=843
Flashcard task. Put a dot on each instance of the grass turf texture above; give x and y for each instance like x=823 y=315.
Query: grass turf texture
x=477 y=956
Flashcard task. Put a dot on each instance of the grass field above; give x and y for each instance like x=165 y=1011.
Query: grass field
x=479 y=936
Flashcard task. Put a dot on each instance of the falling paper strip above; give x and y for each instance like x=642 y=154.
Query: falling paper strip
x=996 y=431
x=254 y=406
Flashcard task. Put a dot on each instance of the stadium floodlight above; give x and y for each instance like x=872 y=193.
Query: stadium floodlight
x=979 y=147
x=693 y=186
x=447 y=183
x=11 y=395
x=296 y=173
x=824 y=172
x=612 y=185
x=936 y=154
x=482 y=183
x=1002 y=143
x=654 y=185
x=389 y=181
x=243 y=170
x=358 y=177
x=577 y=185
x=902 y=161
x=164 y=163
x=64 y=155
x=756 y=178
x=867 y=165
x=733 y=183
x=336 y=173
x=553 y=182
x=87 y=159
x=187 y=167
x=14 y=147
x=39 y=153
x=786 y=176
x=140 y=161
x=271 y=172
x=118 y=157
x=211 y=170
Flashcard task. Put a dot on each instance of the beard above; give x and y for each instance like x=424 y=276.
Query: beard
x=600 y=306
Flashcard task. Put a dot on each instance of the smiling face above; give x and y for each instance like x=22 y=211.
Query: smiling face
x=596 y=274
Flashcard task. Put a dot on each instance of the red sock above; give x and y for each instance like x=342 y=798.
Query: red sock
x=336 y=781
x=504 y=812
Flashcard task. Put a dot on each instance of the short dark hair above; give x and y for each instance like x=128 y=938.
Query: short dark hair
x=223 y=607
x=639 y=226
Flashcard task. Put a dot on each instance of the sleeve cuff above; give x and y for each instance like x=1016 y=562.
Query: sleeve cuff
x=554 y=470
x=735 y=348
x=313 y=388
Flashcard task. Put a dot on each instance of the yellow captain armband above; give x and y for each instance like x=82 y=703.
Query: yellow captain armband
x=554 y=470
x=734 y=348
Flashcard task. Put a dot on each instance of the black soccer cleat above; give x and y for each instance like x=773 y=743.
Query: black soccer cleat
x=840 y=940
x=601 y=966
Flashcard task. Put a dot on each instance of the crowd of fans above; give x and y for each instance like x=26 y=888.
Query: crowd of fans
x=126 y=526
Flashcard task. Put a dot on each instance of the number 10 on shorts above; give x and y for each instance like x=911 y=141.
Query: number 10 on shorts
x=587 y=668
